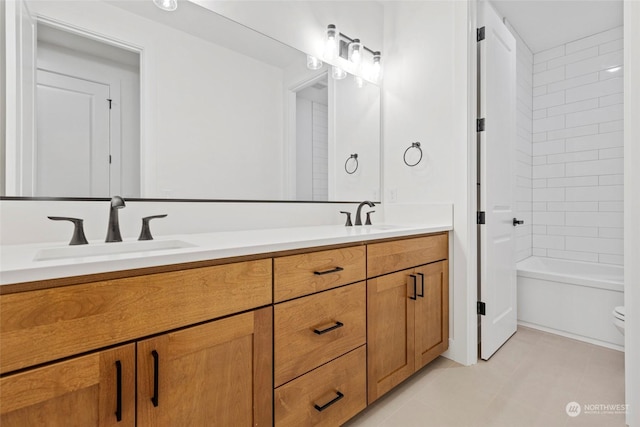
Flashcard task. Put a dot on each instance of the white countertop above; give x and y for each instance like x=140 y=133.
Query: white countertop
x=18 y=264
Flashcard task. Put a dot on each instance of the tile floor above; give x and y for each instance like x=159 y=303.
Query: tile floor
x=528 y=382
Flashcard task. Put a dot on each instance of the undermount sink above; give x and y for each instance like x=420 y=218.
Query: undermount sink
x=83 y=251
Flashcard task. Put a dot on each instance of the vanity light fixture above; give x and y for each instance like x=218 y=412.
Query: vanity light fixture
x=338 y=73
x=168 y=5
x=339 y=45
x=313 y=63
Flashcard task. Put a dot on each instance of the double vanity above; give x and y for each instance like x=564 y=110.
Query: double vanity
x=300 y=326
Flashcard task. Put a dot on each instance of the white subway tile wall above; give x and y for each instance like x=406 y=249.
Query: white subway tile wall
x=577 y=154
x=524 y=123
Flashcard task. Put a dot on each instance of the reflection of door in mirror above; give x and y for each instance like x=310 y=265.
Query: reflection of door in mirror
x=312 y=138
x=87 y=117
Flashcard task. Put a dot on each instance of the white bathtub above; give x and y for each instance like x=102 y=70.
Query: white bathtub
x=571 y=298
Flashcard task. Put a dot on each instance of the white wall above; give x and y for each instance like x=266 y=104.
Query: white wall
x=524 y=81
x=426 y=89
x=578 y=150
x=632 y=209
x=356 y=119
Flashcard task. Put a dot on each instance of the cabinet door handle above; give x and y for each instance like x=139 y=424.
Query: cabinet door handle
x=331 y=402
x=333 y=270
x=330 y=328
x=421 y=294
x=415 y=286
x=118 y=391
x=156 y=367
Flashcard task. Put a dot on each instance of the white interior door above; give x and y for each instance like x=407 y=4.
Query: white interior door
x=72 y=149
x=497 y=53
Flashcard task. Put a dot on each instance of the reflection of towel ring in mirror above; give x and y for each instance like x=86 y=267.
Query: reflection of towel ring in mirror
x=413 y=145
x=355 y=158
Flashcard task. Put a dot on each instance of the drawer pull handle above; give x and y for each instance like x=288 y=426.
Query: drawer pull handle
x=415 y=286
x=333 y=270
x=156 y=366
x=329 y=329
x=326 y=405
x=118 y=391
x=421 y=294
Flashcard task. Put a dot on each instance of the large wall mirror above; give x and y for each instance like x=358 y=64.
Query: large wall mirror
x=120 y=97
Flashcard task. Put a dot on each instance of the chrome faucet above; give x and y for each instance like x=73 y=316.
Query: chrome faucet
x=358 y=216
x=113 y=229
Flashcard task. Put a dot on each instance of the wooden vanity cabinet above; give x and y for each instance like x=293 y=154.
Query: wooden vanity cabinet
x=92 y=390
x=407 y=319
x=319 y=337
x=201 y=365
x=218 y=373
x=304 y=339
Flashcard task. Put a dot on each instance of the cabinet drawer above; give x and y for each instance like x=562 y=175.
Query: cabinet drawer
x=49 y=324
x=387 y=257
x=315 y=329
x=299 y=275
x=326 y=396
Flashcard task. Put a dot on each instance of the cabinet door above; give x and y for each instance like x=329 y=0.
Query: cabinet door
x=92 y=390
x=390 y=331
x=218 y=373
x=432 y=312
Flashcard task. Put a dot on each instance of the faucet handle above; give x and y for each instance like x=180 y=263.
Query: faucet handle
x=348 y=223
x=368 y=221
x=145 y=233
x=78 y=237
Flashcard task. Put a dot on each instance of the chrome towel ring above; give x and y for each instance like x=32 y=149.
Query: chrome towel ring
x=415 y=145
x=355 y=164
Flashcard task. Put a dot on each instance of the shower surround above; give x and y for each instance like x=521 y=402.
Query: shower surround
x=577 y=150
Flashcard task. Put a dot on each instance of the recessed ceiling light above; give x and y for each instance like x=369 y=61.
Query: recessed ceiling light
x=168 y=5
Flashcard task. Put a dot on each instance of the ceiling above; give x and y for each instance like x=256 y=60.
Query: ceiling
x=544 y=24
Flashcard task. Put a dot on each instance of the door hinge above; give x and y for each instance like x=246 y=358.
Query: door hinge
x=109 y=158
x=481 y=308
x=480 y=34
x=109 y=100
x=480 y=125
x=480 y=217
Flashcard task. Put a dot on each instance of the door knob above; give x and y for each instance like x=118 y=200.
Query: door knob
x=517 y=221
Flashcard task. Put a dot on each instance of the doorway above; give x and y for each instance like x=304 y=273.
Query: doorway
x=312 y=140
x=569 y=142
x=87 y=116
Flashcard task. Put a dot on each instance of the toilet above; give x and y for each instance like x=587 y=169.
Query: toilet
x=618 y=318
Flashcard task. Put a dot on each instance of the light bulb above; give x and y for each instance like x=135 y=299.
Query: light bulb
x=332 y=43
x=376 y=68
x=359 y=81
x=355 y=52
x=338 y=73
x=313 y=63
x=168 y=5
